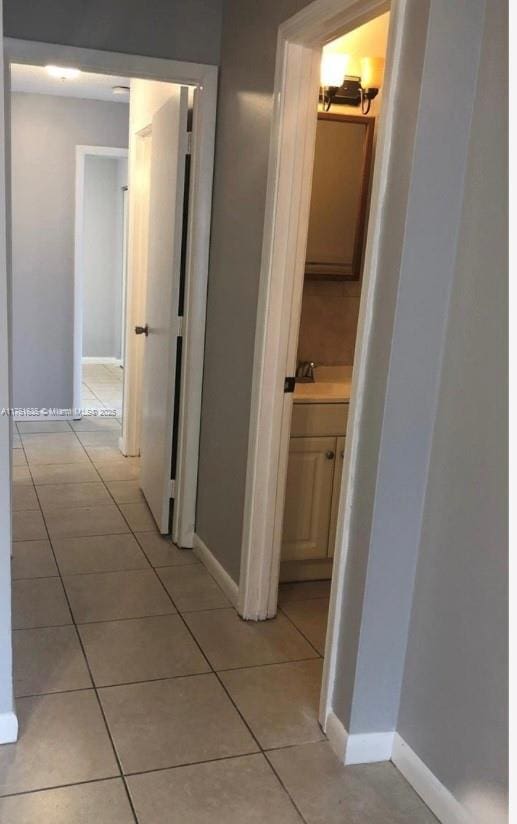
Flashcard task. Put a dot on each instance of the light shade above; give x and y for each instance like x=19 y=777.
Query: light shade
x=333 y=68
x=62 y=72
x=372 y=71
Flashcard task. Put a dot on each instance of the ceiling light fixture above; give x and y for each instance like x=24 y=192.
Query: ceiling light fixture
x=62 y=72
x=120 y=90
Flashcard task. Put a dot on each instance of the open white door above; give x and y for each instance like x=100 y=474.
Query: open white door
x=169 y=144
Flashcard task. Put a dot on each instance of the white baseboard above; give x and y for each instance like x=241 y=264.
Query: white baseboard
x=357 y=749
x=438 y=798
x=227 y=584
x=477 y=807
x=369 y=748
x=103 y=361
x=8 y=728
x=336 y=734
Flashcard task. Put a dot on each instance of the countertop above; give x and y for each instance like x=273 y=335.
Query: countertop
x=332 y=384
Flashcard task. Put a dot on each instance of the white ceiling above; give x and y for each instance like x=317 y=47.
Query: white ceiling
x=36 y=80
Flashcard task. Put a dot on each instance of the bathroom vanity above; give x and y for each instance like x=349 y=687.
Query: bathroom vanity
x=316 y=451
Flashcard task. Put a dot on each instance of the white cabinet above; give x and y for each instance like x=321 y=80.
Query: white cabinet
x=308 y=503
x=313 y=489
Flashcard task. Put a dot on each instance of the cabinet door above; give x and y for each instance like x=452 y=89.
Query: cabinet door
x=338 y=473
x=310 y=477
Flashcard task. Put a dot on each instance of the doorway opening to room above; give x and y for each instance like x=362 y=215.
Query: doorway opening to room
x=111 y=201
x=348 y=112
x=100 y=278
x=336 y=115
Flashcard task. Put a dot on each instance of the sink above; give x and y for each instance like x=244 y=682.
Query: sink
x=331 y=384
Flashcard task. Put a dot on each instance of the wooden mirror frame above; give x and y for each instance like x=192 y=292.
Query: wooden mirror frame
x=331 y=271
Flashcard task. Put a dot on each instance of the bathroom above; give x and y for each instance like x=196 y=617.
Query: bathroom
x=341 y=187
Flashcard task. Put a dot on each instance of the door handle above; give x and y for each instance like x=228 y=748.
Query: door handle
x=142 y=330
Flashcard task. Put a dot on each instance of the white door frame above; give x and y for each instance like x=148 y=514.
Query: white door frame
x=81 y=153
x=291 y=159
x=8 y=719
x=125 y=227
x=203 y=78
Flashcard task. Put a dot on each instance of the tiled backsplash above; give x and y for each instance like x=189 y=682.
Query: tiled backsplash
x=329 y=321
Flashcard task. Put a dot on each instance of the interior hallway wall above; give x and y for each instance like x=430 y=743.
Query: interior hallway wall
x=102 y=283
x=176 y=29
x=44 y=133
x=245 y=106
x=381 y=566
x=8 y=722
x=453 y=710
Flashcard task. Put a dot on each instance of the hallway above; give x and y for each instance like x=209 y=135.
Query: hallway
x=141 y=694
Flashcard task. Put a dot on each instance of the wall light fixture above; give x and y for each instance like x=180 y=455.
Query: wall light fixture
x=349 y=90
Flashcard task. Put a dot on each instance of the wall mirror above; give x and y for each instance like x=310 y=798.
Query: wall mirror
x=339 y=199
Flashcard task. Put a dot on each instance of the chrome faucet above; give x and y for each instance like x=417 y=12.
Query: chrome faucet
x=305 y=372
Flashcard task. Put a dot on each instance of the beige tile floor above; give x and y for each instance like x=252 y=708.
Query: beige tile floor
x=142 y=696
x=101 y=389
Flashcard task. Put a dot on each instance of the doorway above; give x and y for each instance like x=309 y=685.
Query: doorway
x=100 y=278
x=288 y=205
x=150 y=82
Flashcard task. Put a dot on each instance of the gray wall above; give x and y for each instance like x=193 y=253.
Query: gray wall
x=454 y=697
x=242 y=144
x=177 y=29
x=426 y=273
x=410 y=307
x=45 y=131
x=6 y=679
x=102 y=280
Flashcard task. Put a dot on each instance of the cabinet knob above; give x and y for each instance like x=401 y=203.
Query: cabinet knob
x=329 y=454
x=342 y=453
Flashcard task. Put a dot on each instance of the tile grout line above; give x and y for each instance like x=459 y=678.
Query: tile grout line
x=61 y=787
x=260 y=750
x=87 y=664
x=318 y=653
x=211 y=670
x=230 y=698
x=243 y=719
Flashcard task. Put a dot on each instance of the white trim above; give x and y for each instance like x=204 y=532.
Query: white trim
x=194 y=319
x=102 y=361
x=227 y=584
x=125 y=236
x=337 y=735
x=438 y=798
x=36 y=53
x=81 y=153
x=204 y=78
x=366 y=748
x=8 y=728
x=8 y=722
x=289 y=187
x=385 y=746
x=285 y=230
